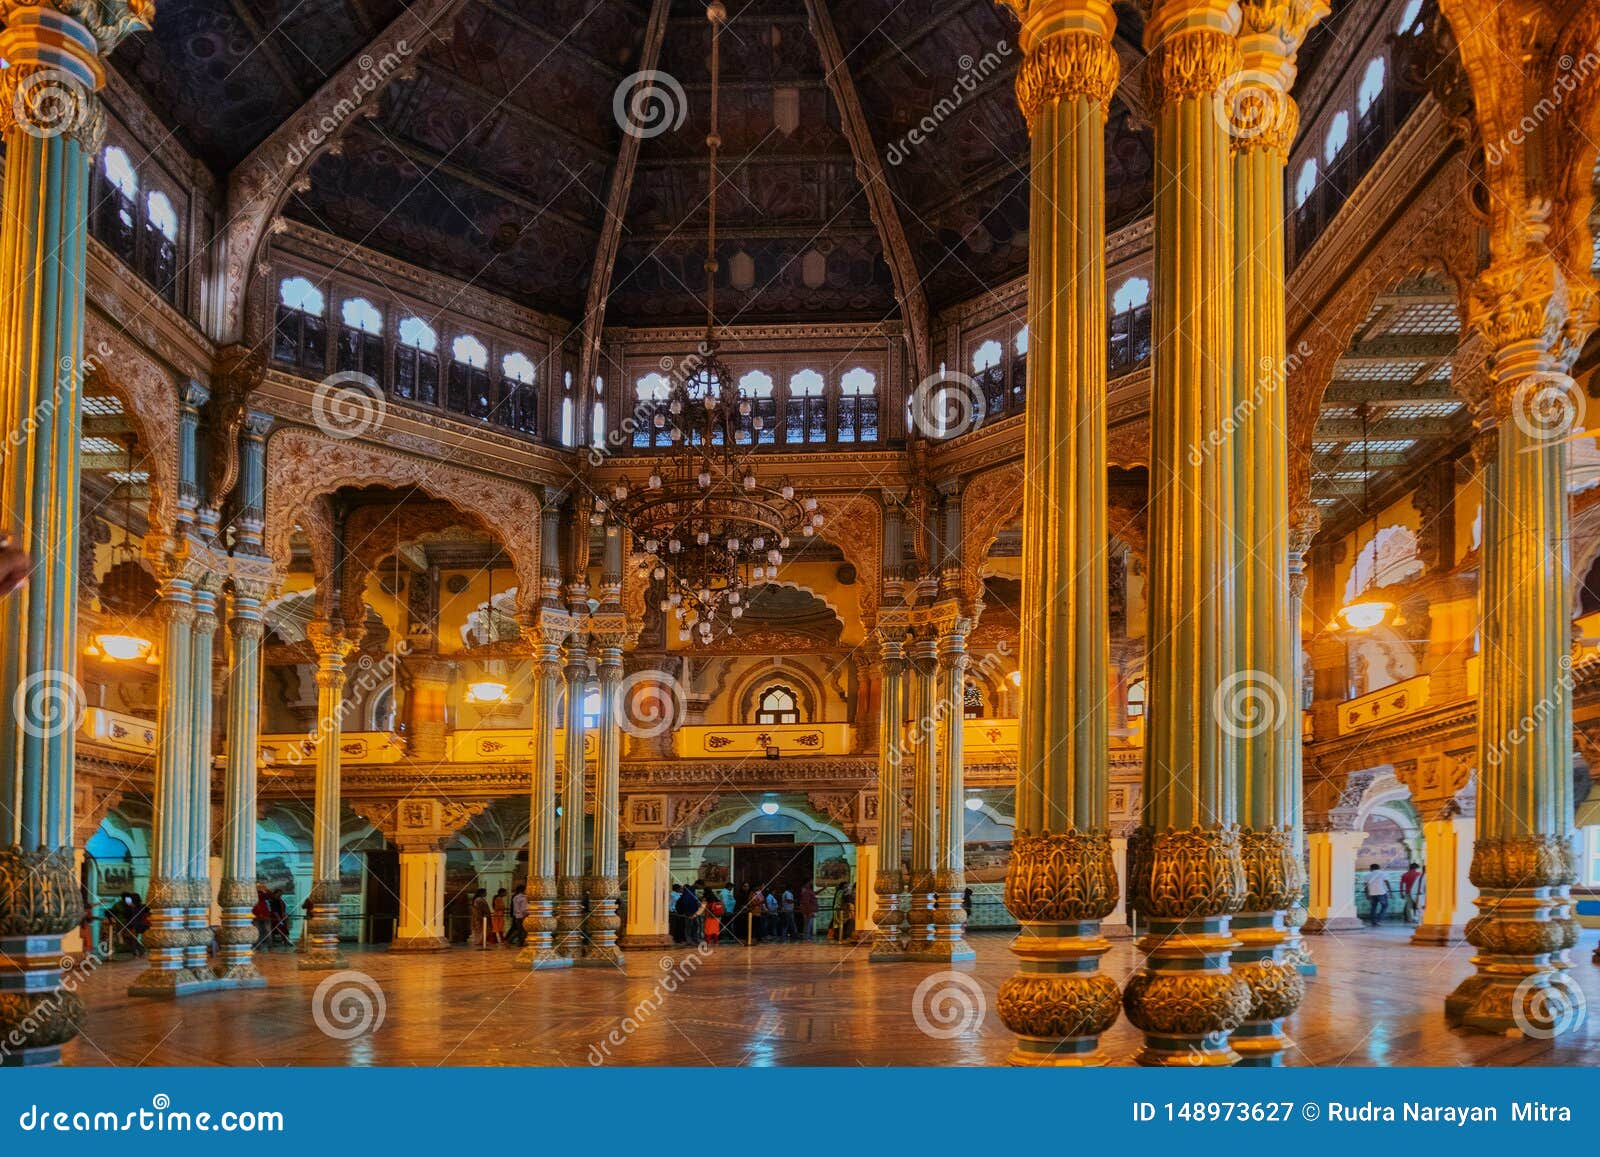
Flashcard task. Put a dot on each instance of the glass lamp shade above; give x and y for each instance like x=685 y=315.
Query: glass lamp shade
x=487 y=691
x=1364 y=615
x=123 y=648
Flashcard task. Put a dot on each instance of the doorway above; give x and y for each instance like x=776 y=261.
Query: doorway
x=772 y=865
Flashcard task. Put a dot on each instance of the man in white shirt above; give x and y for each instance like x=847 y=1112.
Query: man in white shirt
x=1377 y=894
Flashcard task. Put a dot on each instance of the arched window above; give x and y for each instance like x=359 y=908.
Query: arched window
x=1022 y=341
x=806 y=412
x=468 y=390
x=416 y=362
x=1338 y=136
x=1390 y=556
x=162 y=216
x=989 y=371
x=300 y=335
x=1136 y=699
x=761 y=423
x=569 y=436
x=1371 y=86
x=115 y=216
x=777 y=704
x=597 y=425
x=972 y=701
x=518 y=406
x=1306 y=183
x=591 y=710
x=1130 y=325
x=1408 y=18
x=159 y=261
x=858 y=406
x=361 y=339
x=652 y=419
x=1019 y=368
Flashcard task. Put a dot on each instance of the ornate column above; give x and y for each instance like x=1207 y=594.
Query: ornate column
x=52 y=124
x=165 y=971
x=950 y=860
x=422 y=884
x=889 y=879
x=1062 y=881
x=1306 y=521
x=333 y=646
x=649 y=892
x=569 y=885
x=237 y=938
x=1262 y=119
x=202 y=642
x=1332 y=906
x=540 y=951
x=602 y=921
x=1449 y=892
x=1533 y=320
x=1185 y=875
x=427 y=687
x=923 y=656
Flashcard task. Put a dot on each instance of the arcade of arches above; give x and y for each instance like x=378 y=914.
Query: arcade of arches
x=1191 y=393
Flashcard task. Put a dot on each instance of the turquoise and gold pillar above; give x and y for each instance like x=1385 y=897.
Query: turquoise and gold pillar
x=333 y=646
x=202 y=643
x=52 y=124
x=1262 y=715
x=237 y=937
x=570 y=883
x=165 y=972
x=949 y=914
x=1534 y=320
x=888 y=883
x=923 y=656
x=1306 y=521
x=540 y=951
x=604 y=881
x=1185 y=874
x=1062 y=880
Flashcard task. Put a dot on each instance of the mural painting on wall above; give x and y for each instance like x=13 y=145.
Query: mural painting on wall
x=832 y=871
x=1385 y=845
x=274 y=874
x=987 y=860
x=716 y=866
x=115 y=876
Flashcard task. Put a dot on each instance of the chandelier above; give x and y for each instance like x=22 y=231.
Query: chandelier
x=707 y=523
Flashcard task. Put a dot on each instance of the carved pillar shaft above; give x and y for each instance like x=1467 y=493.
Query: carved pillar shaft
x=1185 y=874
x=949 y=860
x=1061 y=881
x=604 y=885
x=1523 y=862
x=569 y=885
x=322 y=948
x=52 y=124
x=540 y=951
x=168 y=936
x=1307 y=520
x=202 y=642
x=237 y=937
x=924 y=794
x=888 y=882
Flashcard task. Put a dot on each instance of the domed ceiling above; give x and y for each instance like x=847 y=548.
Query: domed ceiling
x=493 y=163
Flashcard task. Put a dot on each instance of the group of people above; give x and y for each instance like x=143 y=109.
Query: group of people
x=1413 y=883
x=129 y=920
x=271 y=917
x=500 y=920
x=774 y=913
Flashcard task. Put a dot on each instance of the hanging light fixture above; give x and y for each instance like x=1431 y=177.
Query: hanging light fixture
x=1363 y=614
x=488 y=691
x=122 y=642
x=709 y=525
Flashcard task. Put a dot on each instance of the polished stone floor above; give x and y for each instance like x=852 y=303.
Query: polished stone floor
x=1376 y=1001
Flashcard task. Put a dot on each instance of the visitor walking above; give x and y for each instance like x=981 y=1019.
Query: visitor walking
x=497 y=918
x=517 y=934
x=787 y=928
x=261 y=914
x=1377 y=895
x=806 y=906
x=480 y=917
x=1411 y=885
x=714 y=911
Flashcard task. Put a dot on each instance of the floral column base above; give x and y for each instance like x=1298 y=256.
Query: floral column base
x=322 y=952
x=540 y=954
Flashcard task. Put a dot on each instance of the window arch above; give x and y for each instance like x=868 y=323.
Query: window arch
x=569 y=436
x=360 y=314
x=300 y=335
x=120 y=173
x=761 y=423
x=1131 y=294
x=468 y=390
x=777 y=704
x=597 y=424
x=653 y=418
x=361 y=338
x=1136 y=699
x=416 y=362
x=470 y=351
x=518 y=406
x=806 y=412
x=115 y=217
x=1130 y=325
x=162 y=216
x=858 y=406
x=1372 y=80
x=1390 y=556
x=1306 y=183
x=143 y=234
x=1338 y=136
x=1408 y=18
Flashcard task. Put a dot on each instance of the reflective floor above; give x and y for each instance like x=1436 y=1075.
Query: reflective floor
x=1376 y=1001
